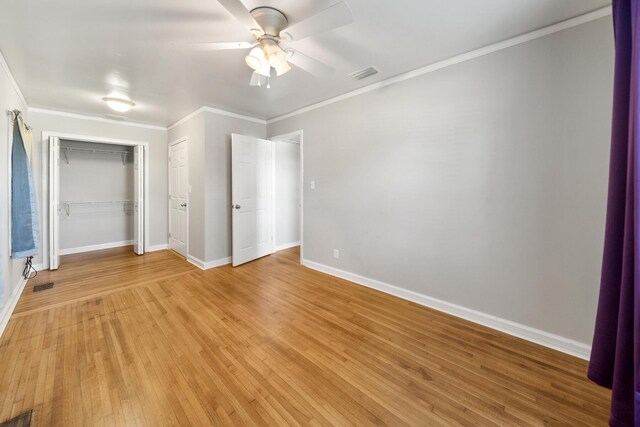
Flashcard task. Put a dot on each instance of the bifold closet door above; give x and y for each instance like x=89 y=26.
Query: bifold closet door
x=138 y=202
x=54 y=202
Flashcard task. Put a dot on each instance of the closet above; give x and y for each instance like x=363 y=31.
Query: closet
x=96 y=197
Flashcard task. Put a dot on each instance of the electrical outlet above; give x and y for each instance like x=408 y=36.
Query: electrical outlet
x=336 y=254
x=313 y=185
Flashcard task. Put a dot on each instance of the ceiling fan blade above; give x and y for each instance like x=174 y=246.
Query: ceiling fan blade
x=308 y=64
x=333 y=17
x=237 y=9
x=221 y=46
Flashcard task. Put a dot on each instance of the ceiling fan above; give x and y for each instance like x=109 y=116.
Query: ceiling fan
x=271 y=30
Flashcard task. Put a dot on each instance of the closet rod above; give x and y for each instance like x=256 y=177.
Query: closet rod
x=67 y=204
x=122 y=153
x=96 y=150
x=95 y=202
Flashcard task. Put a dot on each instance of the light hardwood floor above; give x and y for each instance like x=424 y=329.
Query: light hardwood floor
x=152 y=340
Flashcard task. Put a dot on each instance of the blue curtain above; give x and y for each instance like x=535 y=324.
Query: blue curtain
x=24 y=215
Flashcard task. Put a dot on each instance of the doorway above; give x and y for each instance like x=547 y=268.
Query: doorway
x=178 y=197
x=267 y=196
x=287 y=191
x=96 y=195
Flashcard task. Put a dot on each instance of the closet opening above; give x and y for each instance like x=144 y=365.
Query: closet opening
x=96 y=195
x=287 y=192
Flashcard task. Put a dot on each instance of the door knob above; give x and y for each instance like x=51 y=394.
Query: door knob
x=236 y=206
x=184 y=205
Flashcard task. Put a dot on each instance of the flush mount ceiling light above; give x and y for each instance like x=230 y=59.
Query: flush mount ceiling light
x=270 y=28
x=121 y=105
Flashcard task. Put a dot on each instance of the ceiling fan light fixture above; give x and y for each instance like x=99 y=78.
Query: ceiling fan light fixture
x=265 y=69
x=255 y=59
x=282 y=68
x=122 y=105
x=270 y=27
x=276 y=57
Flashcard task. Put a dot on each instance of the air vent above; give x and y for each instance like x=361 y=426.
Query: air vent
x=364 y=73
x=42 y=287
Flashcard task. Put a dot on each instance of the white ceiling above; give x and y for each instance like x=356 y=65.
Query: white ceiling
x=67 y=54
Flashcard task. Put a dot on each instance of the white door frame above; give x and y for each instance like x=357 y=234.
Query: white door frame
x=45 y=181
x=287 y=137
x=178 y=141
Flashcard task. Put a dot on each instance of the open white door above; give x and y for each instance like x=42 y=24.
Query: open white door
x=54 y=202
x=138 y=202
x=251 y=196
x=178 y=190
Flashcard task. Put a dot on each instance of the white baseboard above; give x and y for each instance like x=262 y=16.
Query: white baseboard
x=39 y=267
x=537 y=336
x=210 y=264
x=7 y=310
x=287 y=246
x=158 y=247
x=90 y=248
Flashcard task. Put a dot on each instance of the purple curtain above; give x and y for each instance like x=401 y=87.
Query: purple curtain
x=616 y=342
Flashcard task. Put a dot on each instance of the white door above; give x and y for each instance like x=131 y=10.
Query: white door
x=251 y=197
x=138 y=202
x=54 y=202
x=178 y=189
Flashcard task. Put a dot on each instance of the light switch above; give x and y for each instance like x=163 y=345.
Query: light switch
x=189 y=189
x=313 y=185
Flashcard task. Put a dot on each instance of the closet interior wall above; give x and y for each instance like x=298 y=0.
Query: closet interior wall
x=96 y=196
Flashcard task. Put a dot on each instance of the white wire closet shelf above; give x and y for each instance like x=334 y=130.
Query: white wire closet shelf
x=66 y=205
x=66 y=150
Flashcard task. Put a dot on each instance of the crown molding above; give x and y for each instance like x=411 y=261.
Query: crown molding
x=7 y=70
x=94 y=118
x=186 y=118
x=206 y=109
x=234 y=115
x=514 y=41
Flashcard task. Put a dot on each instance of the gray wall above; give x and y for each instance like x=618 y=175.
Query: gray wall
x=287 y=192
x=482 y=184
x=209 y=152
x=10 y=269
x=156 y=137
x=96 y=176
